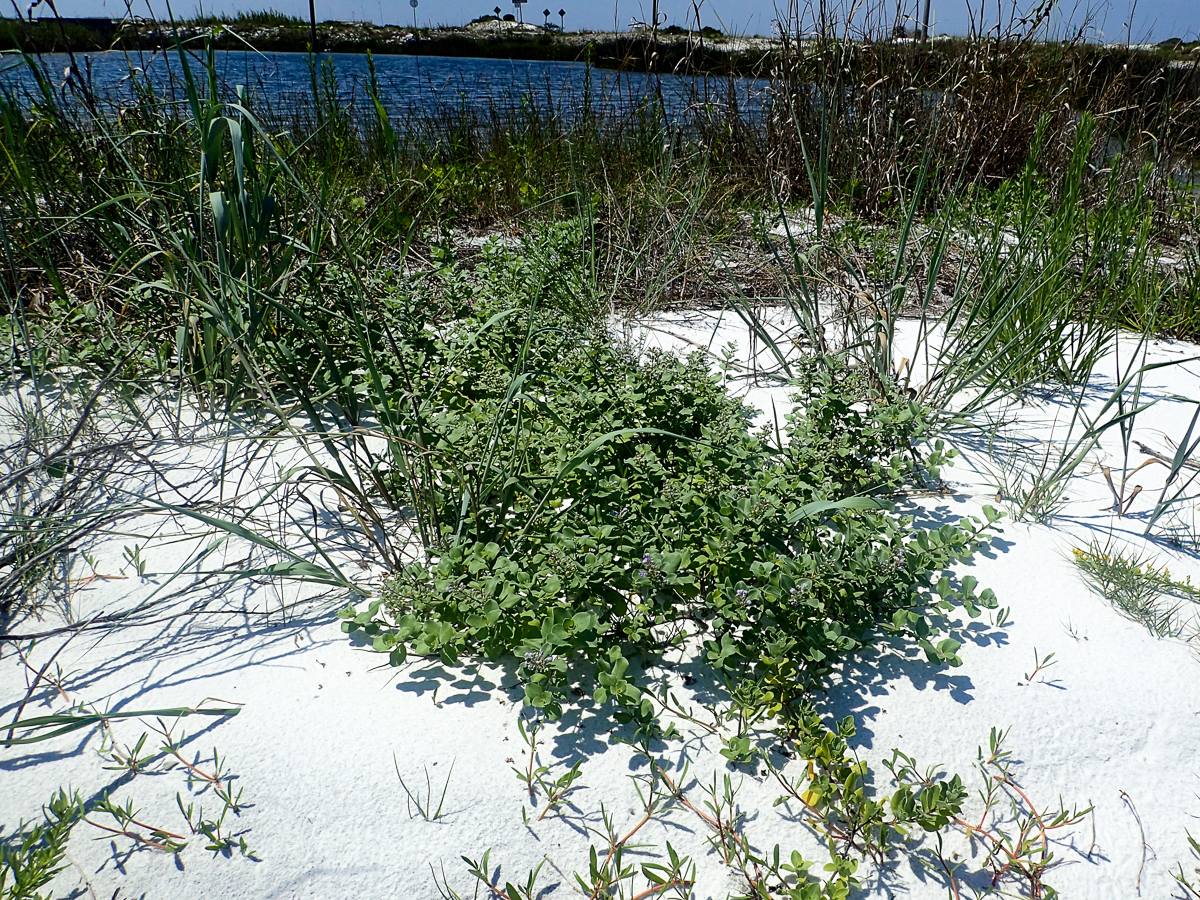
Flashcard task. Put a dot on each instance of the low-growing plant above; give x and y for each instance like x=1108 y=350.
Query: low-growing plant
x=832 y=797
x=536 y=776
x=1139 y=588
x=1040 y=664
x=30 y=856
x=593 y=509
x=126 y=825
x=836 y=799
x=1015 y=832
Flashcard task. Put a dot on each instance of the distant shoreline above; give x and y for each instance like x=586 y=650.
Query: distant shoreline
x=488 y=40
x=670 y=50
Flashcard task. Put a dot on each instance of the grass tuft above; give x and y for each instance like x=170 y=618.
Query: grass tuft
x=1141 y=590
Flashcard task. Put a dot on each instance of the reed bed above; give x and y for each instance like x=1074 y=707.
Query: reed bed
x=853 y=119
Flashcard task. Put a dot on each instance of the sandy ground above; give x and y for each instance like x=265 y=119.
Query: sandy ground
x=326 y=729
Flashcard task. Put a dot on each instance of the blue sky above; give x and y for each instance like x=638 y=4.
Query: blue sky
x=1151 y=19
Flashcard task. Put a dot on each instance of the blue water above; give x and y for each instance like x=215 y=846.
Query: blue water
x=407 y=84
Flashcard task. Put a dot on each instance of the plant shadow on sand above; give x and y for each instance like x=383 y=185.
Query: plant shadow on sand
x=467 y=685
x=864 y=678
x=859 y=681
x=186 y=649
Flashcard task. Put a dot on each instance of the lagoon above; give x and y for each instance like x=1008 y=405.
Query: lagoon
x=408 y=85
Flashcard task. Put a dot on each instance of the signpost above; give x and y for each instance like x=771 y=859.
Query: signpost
x=413 y=4
x=520 y=12
x=562 y=18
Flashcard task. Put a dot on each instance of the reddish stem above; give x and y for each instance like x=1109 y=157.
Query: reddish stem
x=134 y=836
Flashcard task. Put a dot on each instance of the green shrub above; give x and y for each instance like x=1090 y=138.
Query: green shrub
x=593 y=507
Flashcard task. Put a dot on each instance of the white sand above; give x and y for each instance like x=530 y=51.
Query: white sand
x=1114 y=723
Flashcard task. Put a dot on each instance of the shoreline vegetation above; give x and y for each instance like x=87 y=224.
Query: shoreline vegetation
x=978 y=134
x=668 y=49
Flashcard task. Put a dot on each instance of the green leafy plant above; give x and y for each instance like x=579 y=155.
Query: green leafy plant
x=739 y=749
x=833 y=796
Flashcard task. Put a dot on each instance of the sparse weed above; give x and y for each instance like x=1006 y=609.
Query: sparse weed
x=1013 y=831
x=1040 y=665
x=31 y=856
x=834 y=799
x=1034 y=489
x=554 y=791
x=1192 y=888
x=425 y=808
x=1139 y=589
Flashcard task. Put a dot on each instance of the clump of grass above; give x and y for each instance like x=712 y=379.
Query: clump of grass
x=1141 y=590
x=425 y=807
x=111 y=242
x=263 y=17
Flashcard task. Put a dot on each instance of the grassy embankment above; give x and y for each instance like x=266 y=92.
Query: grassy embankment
x=707 y=51
x=286 y=261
